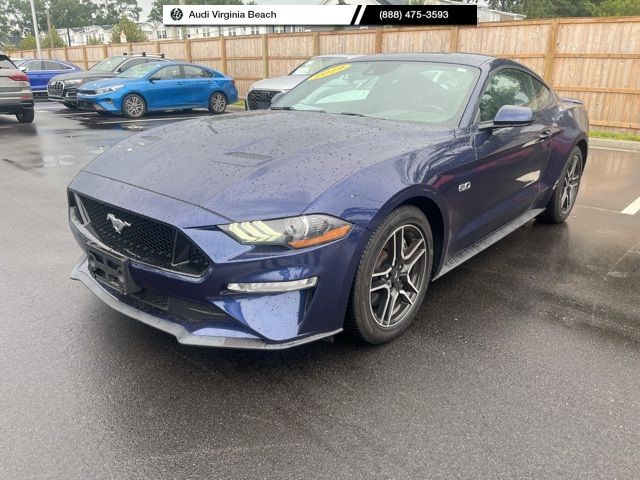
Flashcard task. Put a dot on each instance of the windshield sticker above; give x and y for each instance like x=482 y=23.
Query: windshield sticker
x=330 y=71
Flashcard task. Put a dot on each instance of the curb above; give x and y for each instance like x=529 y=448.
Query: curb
x=614 y=144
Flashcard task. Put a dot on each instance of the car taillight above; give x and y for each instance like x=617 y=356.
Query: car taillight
x=19 y=77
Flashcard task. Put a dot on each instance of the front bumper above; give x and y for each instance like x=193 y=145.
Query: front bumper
x=243 y=320
x=101 y=103
x=210 y=338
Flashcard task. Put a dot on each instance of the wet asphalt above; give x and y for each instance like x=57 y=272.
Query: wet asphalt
x=523 y=363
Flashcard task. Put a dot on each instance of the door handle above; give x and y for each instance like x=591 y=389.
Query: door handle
x=545 y=133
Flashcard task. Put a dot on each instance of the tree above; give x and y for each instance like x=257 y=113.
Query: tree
x=27 y=43
x=156 y=10
x=133 y=32
x=111 y=11
x=617 y=7
x=53 y=41
x=94 y=41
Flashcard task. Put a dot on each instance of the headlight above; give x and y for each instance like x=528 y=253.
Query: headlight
x=73 y=82
x=109 y=89
x=295 y=232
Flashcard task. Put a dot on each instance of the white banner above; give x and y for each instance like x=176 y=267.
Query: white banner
x=229 y=15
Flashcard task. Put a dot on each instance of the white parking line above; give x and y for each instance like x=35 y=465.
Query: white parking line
x=159 y=119
x=633 y=207
x=614 y=149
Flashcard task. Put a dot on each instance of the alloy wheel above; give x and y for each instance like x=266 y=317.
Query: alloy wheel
x=571 y=184
x=398 y=275
x=134 y=106
x=218 y=103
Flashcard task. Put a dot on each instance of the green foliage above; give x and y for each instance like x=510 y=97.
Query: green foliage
x=111 y=11
x=27 y=43
x=53 y=41
x=156 y=10
x=94 y=41
x=133 y=32
x=567 y=8
x=614 y=135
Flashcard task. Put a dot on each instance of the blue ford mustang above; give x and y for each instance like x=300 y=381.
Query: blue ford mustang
x=159 y=86
x=41 y=70
x=332 y=211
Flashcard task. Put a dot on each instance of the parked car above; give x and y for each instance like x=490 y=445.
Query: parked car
x=16 y=97
x=40 y=71
x=260 y=94
x=63 y=88
x=332 y=211
x=159 y=86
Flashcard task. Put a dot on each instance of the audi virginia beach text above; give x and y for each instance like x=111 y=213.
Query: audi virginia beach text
x=331 y=211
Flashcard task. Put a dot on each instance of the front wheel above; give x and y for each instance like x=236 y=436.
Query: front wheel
x=133 y=106
x=564 y=196
x=392 y=278
x=26 y=116
x=217 y=103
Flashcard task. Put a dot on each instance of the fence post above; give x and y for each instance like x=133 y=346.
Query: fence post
x=187 y=49
x=66 y=54
x=157 y=47
x=265 y=56
x=453 y=38
x=105 y=51
x=49 y=52
x=550 y=54
x=85 y=62
x=223 y=54
x=316 y=44
x=378 y=43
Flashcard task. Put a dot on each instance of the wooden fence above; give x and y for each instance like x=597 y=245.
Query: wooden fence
x=594 y=59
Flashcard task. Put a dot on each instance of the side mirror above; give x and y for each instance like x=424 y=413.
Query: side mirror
x=154 y=79
x=510 y=116
x=275 y=98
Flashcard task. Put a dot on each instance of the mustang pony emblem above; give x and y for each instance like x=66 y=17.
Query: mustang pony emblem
x=118 y=225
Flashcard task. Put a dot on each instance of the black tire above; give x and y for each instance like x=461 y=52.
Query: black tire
x=70 y=106
x=562 y=200
x=361 y=322
x=134 y=106
x=26 y=115
x=217 y=103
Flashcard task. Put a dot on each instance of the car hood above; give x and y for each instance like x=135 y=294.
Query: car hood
x=279 y=83
x=86 y=74
x=106 y=82
x=258 y=165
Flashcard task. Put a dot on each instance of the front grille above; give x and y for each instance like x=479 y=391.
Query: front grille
x=71 y=93
x=87 y=92
x=55 y=89
x=260 y=99
x=152 y=298
x=143 y=239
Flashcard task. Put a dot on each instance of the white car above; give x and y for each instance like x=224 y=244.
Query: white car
x=260 y=94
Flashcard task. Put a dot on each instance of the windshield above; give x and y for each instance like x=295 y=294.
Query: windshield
x=316 y=64
x=107 y=65
x=5 y=62
x=418 y=92
x=138 y=71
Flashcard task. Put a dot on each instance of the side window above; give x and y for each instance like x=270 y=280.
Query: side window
x=542 y=96
x=53 y=66
x=168 y=73
x=31 y=66
x=507 y=87
x=132 y=63
x=195 y=72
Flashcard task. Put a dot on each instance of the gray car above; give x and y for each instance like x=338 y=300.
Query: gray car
x=260 y=94
x=16 y=97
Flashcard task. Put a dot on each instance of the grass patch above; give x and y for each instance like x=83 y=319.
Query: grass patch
x=614 y=135
x=240 y=103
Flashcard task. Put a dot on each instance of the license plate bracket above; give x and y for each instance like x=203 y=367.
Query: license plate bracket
x=111 y=269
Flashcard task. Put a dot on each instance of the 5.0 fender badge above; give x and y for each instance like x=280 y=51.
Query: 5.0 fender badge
x=118 y=225
x=464 y=186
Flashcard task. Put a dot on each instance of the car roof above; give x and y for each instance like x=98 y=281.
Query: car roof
x=471 y=59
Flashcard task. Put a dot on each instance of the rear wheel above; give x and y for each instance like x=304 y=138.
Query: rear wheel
x=133 y=106
x=25 y=116
x=217 y=103
x=392 y=278
x=564 y=196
